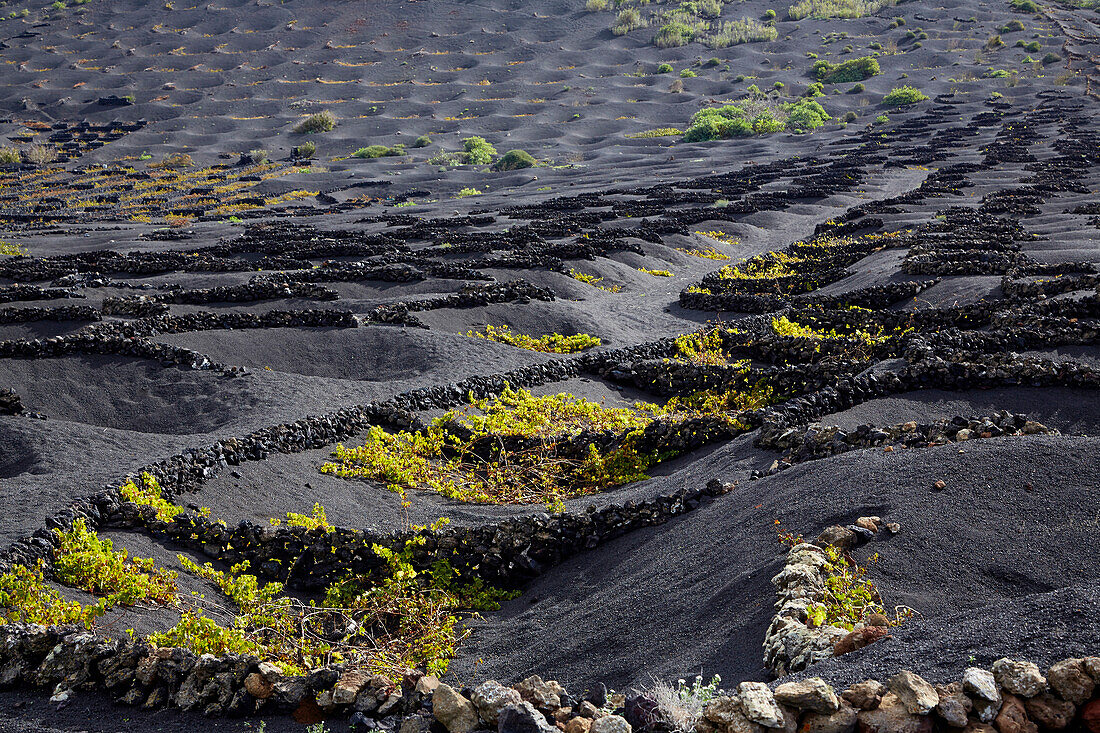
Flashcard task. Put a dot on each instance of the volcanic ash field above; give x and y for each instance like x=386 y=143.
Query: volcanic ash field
x=447 y=366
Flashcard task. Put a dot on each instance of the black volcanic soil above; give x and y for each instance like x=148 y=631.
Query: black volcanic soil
x=1000 y=563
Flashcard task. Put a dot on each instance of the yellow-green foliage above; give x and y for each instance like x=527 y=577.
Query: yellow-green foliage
x=656 y=273
x=553 y=343
x=439 y=460
x=594 y=281
x=316 y=520
x=711 y=402
x=10 y=248
x=26 y=598
x=658 y=132
x=761 y=267
x=849 y=596
x=783 y=326
x=386 y=623
x=705 y=347
x=710 y=253
x=149 y=494
x=84 y=561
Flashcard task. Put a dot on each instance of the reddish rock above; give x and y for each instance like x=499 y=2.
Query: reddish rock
x=1013 y=717
x=308 y=712
x=1050 y=711
x=859 y=639
x=1071 y=680
x=1090 y=716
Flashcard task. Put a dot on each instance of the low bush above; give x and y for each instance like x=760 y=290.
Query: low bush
x=627 y=20
x=39 y=154
x=10 y=156
x=323 y=121
x=1051 y=58
x=687 y=74
x=478 y=151
x=824 y=9
x=514 y=160
x=422 y=142
x=848 y=71
x=751 y=116
x=664 y=69
x=1030 y=46
x=305 y=150
x=1024 y=6
x=173 y=161
x=857 y=89
x=1012 y=26
x=554 y=343
x=903 y=95
x=379 y=151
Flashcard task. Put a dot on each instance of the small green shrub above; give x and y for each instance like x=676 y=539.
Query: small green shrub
x=39 y=154
x=1051 y=58
x=149 y=493
x=687 y=74
x=514 y=160
x=882 y=120
x=10 y=156
x=1024 y=6
x=594 y=6
x=1030 y=46
x=422 y=142
x=850 y=116
x=323 y=121
x=379 y=151
x=305 y=150
x=478 y=151
x=467 y=192
x=1012 y=26
x=824 y=9
x=769 y=14
x=627 y=20
x=848 y=71
x=857 y=89
x=816 y=89
x=664 y=69
x=903 y=95
x=83 y=560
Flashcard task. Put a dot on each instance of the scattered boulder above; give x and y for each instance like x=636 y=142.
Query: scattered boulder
x=1013 y=717
x=522 y=717
x=1019 y=678
x=454 y=711
x=545 y=696
x=841 y=721
x=1050 y=711
x=809 y=694
x=491 y=697
x=839 y=537
x=918 y=697
x=865 y=695
x=891 y=716
x=610 y=724
x=859 y=638
x=1071 y=680
x=954 y=706
x=578 y=725
x=759 y=705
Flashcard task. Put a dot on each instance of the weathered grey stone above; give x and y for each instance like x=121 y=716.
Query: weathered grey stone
x=522 y=717
x=1019 y=678
x=543 y=695
x=809 y=694
x=841 y=721
x=491 y=697
x=610 y=724
x=953 y=706
x=454 y=711
x=915 y=693
x=1071 y=680
x=865 y=695
x=758 y=704
x=982 y=688
x=348 y=686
